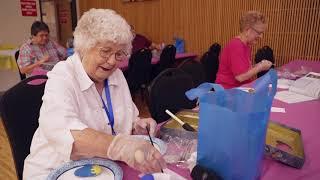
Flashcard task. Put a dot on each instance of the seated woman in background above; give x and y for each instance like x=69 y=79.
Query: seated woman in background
x=87 y=109
x=235 y=67
x=141 y=41
x=39 y=49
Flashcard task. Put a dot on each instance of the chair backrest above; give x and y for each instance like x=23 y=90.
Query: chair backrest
x=167 y=91
x=195 y=69
x=264 y=53
x=167 y=57
x=215 y=48
x=20 y=107
x=139 y=70
x=210 y=62
x=22 y=76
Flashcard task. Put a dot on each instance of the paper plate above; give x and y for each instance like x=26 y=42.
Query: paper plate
x=158 y=143
x=66 y=172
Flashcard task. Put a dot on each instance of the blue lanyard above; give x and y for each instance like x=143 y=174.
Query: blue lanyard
x=108 y=109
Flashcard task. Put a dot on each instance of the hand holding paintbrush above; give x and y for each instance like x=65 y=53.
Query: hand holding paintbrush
x=148 y=131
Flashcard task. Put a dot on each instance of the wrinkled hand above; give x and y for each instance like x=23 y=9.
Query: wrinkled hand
x=137 y=153
x=264 y=65
x=140 y=126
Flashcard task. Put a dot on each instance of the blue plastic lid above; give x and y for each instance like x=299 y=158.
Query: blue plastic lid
x=147 y=177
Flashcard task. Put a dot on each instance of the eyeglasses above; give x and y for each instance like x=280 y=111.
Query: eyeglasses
x=258 y=32
x=106 y=53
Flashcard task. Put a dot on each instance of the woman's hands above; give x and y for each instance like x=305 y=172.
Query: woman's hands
x=137 y=153
x=264 y=65
x=140 y=126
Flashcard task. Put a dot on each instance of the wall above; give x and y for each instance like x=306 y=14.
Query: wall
x=15 y=29
x=64 y=19
x=293 y=32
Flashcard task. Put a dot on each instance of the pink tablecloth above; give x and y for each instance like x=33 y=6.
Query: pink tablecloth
x=123 y=65
x=306 y=117
x=297 y=64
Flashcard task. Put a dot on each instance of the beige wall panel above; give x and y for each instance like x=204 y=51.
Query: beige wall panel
x=293 y=31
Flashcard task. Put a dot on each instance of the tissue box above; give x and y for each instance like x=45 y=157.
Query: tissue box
x=283 y=143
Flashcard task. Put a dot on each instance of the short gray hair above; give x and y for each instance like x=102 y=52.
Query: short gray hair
x=101 y=25
x=251 y=18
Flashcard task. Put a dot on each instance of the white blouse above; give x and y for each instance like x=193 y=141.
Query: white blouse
x=71 y=102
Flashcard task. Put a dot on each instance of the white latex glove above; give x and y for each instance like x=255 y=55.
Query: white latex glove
x=137 y=153
x=140 y=126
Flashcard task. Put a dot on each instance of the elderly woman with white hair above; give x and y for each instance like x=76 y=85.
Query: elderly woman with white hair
x=87 y=108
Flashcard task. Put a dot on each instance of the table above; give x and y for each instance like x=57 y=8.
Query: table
x=123 y=65
x=132 y=174
x=8 y=60
x=306 y=117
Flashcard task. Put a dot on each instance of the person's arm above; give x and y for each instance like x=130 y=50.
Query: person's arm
x=262 y=66
x=240 y=63
x=29 y=68
x=90 y=143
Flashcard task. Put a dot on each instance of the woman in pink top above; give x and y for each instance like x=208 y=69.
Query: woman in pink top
x=235 y=67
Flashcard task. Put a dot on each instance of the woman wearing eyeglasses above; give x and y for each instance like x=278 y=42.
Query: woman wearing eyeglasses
x=87 y=109
x=235 y=67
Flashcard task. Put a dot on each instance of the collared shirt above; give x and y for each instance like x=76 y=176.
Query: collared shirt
x=30 y=53
x=71 y=102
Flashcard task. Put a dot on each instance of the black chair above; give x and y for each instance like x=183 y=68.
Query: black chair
x=167 y=59
x=215 y=48
x=210 y=62
x=167 y=91
x=139 y=71
x=195 y=70
x=22 y=76
x=264 y=53
x=20 y=107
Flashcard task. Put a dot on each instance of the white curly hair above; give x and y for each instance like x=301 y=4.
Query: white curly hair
x=101 y=25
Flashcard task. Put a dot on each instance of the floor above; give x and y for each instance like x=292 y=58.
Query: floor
x=7 y=170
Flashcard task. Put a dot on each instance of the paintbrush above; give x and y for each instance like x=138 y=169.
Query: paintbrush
x=185 y=125
x=151 y=140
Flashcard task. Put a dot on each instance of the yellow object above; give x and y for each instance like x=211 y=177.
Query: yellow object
x=282 y=143
x=96 y=169
x=277 y=134
x=8 y=63
x=7 y=47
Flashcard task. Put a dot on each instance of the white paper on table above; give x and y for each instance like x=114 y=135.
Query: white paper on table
x=278 y=109
x=291 y=97
x=284 y=83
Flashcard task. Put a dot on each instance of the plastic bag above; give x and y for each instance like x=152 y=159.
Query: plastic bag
x=232 y=127
x=179 y=149
x=179 y=44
